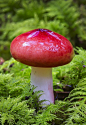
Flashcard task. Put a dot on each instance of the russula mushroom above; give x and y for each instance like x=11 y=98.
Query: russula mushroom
x=42 y=49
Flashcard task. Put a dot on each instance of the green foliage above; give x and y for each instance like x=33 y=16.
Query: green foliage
x=83 y=17
x=4 y=49
x=82 y=10
x=77 y=107
x=74 y=71
x=19 y=105
x=52 y=115
x=20 y=16
x=66 y=14
x=13 y=111
x=4 y=79
x=74 y=74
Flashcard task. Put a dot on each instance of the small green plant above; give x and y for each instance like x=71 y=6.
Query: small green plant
x=20 y=105
x=62 y=17
x=77 y=105
x=15 y=112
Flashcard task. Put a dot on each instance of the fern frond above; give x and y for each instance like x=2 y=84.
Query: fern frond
x=14 y=111
x=77 y=114
x=47 y=115
x=77 y=105
x=4 y=80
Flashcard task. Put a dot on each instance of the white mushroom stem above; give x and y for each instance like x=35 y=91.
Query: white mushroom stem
x=41 y=78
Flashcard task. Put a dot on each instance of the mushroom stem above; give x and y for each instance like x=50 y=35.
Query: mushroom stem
x=42 y=79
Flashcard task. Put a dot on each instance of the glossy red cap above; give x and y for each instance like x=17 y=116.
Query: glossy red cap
x=42 y=48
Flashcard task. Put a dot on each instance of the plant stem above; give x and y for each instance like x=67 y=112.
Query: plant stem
x=42 y=78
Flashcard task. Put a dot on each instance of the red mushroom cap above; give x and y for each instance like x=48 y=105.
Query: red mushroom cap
x=42 y=48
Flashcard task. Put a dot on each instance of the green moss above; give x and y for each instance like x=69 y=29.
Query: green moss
x=20 y=105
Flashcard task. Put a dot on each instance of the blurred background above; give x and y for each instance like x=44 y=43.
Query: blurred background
x=66 y=17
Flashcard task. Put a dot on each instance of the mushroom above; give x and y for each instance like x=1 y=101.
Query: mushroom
x=42 y=49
